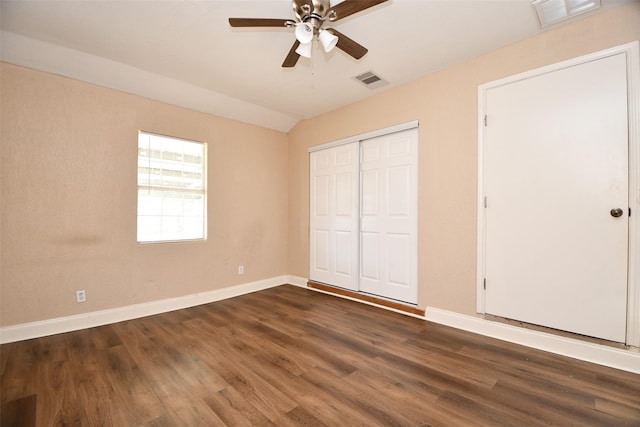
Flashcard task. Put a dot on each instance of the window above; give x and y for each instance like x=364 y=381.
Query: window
x=172 y=198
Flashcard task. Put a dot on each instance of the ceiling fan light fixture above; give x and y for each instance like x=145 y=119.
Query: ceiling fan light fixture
x=328 y=40
x=304 y=49
x=304 y=32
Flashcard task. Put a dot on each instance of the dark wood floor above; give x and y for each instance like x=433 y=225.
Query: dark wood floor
x=291 y=356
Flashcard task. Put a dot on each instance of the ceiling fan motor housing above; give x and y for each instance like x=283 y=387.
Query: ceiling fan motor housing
x=315 y=17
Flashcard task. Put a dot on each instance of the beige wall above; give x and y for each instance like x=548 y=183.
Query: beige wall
x=68 y=162
x=445 y=103
x=68 y=183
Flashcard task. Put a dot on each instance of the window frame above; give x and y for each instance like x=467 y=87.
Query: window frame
x=173 y=189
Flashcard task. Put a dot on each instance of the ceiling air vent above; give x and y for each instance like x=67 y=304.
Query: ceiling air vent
x=370 y=80
x=552 y=11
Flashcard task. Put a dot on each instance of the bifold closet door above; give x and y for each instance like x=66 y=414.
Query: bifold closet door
x=388 y=222
x=333 y=217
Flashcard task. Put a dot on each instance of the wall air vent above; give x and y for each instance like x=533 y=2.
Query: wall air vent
x=553 y=11
x=370 y=80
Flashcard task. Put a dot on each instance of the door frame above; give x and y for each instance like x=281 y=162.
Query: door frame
x=632 y=52
x=367 y=135
x=414 y=124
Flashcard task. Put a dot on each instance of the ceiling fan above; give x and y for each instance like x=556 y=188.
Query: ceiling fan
x=310 y=18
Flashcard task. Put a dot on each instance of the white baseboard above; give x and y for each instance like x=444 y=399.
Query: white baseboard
x=60 y=325
x=626 y=360
x=297 y=281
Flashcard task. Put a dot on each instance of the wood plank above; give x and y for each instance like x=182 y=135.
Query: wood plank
x=325 y=405
x=291 y=356
x=19 y=412
x=233 y=409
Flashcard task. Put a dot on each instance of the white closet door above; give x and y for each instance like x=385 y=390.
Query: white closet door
x=333 y=218
x=388 y=230
x=557 y=215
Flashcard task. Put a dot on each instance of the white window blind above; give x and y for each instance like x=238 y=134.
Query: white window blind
x=172 y=198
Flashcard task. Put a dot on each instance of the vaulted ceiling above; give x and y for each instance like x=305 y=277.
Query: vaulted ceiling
x=185 y=52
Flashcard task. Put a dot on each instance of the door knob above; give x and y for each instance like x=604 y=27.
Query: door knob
x=617 y=212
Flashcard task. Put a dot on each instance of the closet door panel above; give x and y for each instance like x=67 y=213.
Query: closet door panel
x=369 y=256
x=389 y=212
x=333 y=207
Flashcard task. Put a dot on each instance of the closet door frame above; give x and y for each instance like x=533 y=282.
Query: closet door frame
x=356 y=139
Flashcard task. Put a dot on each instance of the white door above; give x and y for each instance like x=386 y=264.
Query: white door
x=555 y=171
x=388 y=229
x=334 y=216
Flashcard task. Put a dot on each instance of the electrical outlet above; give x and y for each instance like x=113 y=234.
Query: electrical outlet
x=81 y=296
x=241 y=269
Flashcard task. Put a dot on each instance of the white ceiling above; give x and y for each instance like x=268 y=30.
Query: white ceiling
x=185 y=52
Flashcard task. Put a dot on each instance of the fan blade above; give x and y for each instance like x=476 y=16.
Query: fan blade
x=260 y=22
x=292 y=56
x=349 y=7
x=348 y=45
